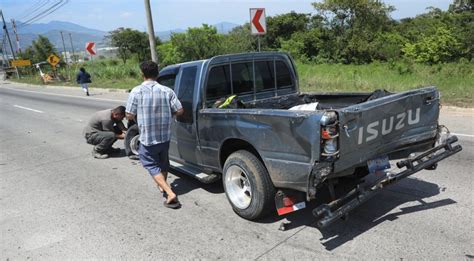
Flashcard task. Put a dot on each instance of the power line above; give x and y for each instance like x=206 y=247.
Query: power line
x=51 y=10
x=33 y=9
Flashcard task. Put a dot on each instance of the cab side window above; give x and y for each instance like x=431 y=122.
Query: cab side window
x=264 y=75
x=218 y=83
x=185 y=93
x=242 y=78
x=283 y=75
x=167 y=80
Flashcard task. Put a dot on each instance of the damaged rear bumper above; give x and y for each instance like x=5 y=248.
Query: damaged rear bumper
x=328 y=213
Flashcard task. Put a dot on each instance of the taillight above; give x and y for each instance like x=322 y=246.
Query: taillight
x=329 y=135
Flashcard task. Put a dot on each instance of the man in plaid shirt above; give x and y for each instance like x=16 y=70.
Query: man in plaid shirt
x=153 y=106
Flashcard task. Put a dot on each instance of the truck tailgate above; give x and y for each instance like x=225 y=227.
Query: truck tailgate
x=387 y=124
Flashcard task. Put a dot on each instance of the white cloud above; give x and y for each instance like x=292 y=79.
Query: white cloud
x=126 y=14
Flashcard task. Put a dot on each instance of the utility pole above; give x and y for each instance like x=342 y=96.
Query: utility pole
x=64 y=47
x=72 y=48
x=5 y=56
x=8 y=36
x=18 y=48
x=9 y=41
x=151 y=31
x=65 y=56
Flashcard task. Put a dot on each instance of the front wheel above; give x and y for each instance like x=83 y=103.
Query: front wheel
x=131 y=141
x=247 y=185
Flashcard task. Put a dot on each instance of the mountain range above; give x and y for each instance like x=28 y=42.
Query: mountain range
x=80 y=35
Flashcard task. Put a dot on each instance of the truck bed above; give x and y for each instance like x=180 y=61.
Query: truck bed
x=325 y=100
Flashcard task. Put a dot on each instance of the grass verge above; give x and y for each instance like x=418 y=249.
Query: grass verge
x=455 y=81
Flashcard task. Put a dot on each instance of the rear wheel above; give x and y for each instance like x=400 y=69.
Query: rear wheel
x=247 y=185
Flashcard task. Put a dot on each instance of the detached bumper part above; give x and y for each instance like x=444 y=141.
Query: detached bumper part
x=328 y=213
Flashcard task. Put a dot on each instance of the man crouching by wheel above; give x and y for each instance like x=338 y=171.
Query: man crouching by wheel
x=153 y=106
x=103 y=129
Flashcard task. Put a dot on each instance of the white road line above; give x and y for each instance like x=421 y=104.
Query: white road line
x=25 y=108
x=65 y=95
x=463 y=135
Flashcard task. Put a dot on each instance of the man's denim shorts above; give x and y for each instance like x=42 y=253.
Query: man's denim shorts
x=154 y=158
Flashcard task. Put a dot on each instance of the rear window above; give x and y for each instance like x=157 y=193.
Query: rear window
x=218 y=84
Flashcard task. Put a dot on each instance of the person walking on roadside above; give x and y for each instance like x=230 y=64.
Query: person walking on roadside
x=103 y=129
x=153 y=106
x=84 y=78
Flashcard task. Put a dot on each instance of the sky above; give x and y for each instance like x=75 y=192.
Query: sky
x=107 y=15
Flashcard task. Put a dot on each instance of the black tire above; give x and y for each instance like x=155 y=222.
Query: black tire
x=262 y=189
x=131 y=136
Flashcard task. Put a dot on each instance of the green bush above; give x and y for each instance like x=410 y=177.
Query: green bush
x=433 y=49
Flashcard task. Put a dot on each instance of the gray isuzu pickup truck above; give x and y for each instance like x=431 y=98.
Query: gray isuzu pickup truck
x=275 y=148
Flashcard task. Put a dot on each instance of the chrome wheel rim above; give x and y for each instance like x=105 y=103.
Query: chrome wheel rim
x=134 y=143
x=238 y=187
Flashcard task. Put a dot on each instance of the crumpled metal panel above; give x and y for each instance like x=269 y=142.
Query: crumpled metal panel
x=380 y=126
x=287 y=141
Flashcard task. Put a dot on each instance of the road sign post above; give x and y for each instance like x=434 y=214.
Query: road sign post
x=53 y=60
x=258 y=24
x=90 y=48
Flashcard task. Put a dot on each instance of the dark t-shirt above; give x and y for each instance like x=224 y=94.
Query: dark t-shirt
x=102 y=121
x=83 y=77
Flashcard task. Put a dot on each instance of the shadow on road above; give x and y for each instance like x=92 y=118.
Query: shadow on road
x=369 y=215
x=183 y=184
x=120 y=154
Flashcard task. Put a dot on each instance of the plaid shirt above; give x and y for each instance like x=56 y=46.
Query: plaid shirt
x=153 y=104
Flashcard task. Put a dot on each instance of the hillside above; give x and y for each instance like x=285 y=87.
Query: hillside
x=80 y=34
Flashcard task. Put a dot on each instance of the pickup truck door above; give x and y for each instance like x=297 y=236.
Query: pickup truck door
x=168 y=79
x=183 y=128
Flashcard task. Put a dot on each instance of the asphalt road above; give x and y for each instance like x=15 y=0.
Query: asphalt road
x=57 y=202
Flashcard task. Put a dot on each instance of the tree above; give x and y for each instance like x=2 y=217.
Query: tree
x=413 y=29
x=28 y=54
x=459 y=6
x=282 y=27
x=39 y=50
x=239 y=40
x=169 y=54
x=130 y=42
x=304 y=46
x=433 y=49
x=459 y=24
x=387 y=46
x=353 y=25
x=197 y=43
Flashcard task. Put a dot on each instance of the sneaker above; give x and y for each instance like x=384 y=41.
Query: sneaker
x=87 y=93
x=98 y=155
